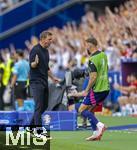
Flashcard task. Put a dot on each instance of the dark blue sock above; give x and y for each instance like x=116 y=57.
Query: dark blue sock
x=92 y=119
x=94 y=127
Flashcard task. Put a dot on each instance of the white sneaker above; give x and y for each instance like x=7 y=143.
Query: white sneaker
x=94 y=137
x=101 y=128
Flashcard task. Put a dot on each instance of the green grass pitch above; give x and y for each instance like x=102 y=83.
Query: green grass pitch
x=111 y=140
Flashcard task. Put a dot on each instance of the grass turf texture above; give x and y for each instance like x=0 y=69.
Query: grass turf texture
x=110 y=141
x=75 y=140
x=117 y=121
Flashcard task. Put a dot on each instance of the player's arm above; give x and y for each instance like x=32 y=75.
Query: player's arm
x=92 y=76
x=92 y=80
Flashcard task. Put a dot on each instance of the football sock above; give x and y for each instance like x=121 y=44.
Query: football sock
x=92 y=119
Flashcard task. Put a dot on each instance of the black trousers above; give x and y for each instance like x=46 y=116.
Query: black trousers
x=2 y=89
x=40 y=95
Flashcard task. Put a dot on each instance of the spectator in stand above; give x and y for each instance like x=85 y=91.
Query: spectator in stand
x=134 y=54
x=116 y=33
x=128 y=101
x=5 y=4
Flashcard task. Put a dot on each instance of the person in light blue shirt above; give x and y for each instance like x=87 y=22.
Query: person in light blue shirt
x=20 y=77
x=21 y=69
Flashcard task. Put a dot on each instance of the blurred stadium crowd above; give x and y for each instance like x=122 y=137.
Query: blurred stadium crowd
x=5 y=4
x=116 y=32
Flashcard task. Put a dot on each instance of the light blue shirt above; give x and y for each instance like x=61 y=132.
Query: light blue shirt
x=21 y=69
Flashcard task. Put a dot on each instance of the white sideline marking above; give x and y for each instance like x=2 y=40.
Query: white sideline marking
x=129 y=131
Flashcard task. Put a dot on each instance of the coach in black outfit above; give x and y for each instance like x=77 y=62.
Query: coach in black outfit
x=39 y=72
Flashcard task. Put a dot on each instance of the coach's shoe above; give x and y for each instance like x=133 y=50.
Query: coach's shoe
x=94 y=137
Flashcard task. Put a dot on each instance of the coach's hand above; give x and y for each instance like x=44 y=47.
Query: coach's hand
x=82 y=93
x=56 y=80
x=35 y=62
x=36 y=59
x=78 y=94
